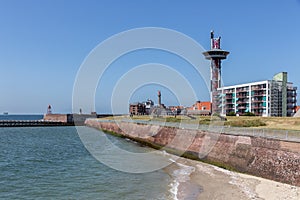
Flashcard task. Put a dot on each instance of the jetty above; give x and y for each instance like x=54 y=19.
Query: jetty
x=32 y=123
x=53 y=120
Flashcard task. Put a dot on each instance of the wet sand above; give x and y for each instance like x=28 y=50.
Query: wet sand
x=203 y=181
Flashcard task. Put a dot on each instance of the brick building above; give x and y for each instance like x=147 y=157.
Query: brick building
x=137 y=108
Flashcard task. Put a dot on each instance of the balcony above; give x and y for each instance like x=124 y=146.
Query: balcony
x=292 y=88
x=242 y=96
x=242 y=107
x=242 y=102
x=257 y=88
x=229 y=108
x=259 y=94
x=258 y=107
x=291 y=94
x=228 y=91
x=242 y=89
x=291 y=98
x=258 y=101
x=290 y=106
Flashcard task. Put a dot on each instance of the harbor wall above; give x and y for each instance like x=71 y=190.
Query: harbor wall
x=58 y=117
x=77 y=119
x=268 y=158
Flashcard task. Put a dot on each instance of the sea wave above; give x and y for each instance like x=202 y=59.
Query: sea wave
x=180 y=175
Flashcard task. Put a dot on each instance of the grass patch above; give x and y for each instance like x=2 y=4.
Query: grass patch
x=204 y=121
x=280 y=123
x=246 y=123
x=173 y=119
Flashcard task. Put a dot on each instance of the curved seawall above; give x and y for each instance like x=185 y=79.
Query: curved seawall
x=268 y=158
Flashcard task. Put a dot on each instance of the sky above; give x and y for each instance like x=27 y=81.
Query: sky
x=43 y=44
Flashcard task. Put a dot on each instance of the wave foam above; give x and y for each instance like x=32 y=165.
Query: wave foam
x=180 y=175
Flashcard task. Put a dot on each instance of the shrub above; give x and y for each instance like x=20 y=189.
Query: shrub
x=231 y=114
x=217 y=117
x=248 y=114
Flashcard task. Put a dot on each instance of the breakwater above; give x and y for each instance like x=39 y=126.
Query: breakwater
x=31 y=123
x=264 y=157
x=47 y=120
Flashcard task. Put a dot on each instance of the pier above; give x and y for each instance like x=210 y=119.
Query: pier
x=32 y=123
x=52 y=120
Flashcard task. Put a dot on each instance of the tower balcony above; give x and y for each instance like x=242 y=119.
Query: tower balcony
x=216 y=54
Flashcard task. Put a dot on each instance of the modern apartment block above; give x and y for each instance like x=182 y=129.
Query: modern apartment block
x=275 y=97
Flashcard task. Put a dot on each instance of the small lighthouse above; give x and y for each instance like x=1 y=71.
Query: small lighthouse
x=49 y=109
x=215 y=55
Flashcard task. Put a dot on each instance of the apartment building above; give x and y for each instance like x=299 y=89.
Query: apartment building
x=275 y=97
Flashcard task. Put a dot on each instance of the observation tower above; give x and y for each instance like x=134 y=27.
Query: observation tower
x=215 y=55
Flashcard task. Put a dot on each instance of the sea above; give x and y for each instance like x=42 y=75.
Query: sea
x=21 y=117
x=52 y=163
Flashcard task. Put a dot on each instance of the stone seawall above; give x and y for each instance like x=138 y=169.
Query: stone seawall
x=268 y=158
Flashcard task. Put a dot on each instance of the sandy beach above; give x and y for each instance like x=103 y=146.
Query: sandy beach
x=197 y=180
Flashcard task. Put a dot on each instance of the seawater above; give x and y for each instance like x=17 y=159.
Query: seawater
x=52 y=163
x=21 y=117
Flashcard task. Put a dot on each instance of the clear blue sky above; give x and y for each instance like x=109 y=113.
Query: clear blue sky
x=43 y=43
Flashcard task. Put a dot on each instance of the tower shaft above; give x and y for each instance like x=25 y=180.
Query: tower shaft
x=215 y=83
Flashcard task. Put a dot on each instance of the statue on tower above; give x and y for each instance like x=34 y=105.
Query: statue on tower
x=215 y=42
